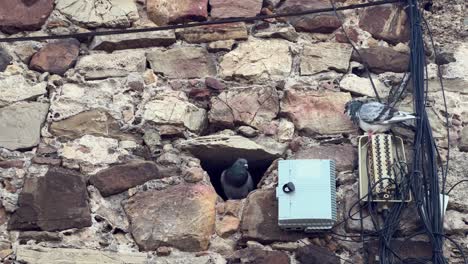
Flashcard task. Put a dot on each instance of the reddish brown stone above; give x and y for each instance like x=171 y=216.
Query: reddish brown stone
x=235 y=8
x=258 y=256
x=47 y=161
x=383 y=59
x=57 y=201
x=352 y=34
x=312 y=254
x=56 y=57
x=200 y=93
x=407 y=250
x=260 y=219
x=6 y=164
x=317 y=112
x=3 y=215
x=169 y=11
x=214 y=84
x=120 y=178
x=321 y=23
x=388 y=22
x=345 y=156
x=17 y=15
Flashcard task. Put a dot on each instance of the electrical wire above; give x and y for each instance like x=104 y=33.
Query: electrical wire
x=455 y=185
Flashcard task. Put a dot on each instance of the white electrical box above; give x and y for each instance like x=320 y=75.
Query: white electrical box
x=306 y=194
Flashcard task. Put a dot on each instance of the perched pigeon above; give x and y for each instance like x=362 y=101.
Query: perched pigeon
x=236 y=180
x=375 y=117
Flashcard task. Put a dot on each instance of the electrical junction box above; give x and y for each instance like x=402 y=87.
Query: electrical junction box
x=306 y=195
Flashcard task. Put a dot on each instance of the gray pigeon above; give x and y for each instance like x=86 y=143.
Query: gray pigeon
x=375 y=117
x=236 y=181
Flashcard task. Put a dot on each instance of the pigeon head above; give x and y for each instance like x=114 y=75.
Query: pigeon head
x=352 y=109
x=241 y=163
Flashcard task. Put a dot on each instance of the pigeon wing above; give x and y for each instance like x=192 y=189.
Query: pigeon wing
x=376 y=113
x=249 y=184
x=229 y=191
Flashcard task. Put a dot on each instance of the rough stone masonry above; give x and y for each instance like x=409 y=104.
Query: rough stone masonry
x=110 y=146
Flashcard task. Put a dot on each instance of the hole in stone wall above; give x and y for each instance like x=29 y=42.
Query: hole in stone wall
x=215 y=168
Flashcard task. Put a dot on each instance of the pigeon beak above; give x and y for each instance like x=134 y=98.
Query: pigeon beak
x=246 y=166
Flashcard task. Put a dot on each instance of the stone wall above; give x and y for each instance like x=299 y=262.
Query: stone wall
x=111 y=147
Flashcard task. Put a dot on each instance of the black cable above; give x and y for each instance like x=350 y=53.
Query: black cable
x=197 y=24
x=455 y=185
x=366 y=66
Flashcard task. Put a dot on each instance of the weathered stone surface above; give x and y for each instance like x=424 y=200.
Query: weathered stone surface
x=253 y=106
x=455 y=222
x=117 y=64
x=6 y=164
x=312 y=254
x=236 y=31
x=283 y=31
x=235 y=8
x=156 y=217
x=24 y=15
x=94 y=122
x=38 y=236
x=182 y=62
x=93 y=150
x=164 y=12
x=14 y=88
x=133 y=40
x=316 y=112
x=388 y=22
x=325 y=56
x=95 y=13
x=5 y=59
x=258 y=256
x=57 y=201
x=221 y=45
x=362 y=86
x=42 y=255
x=119 y=178
x=382 y=59
x=464 y=139
x=227 y=226
x=260 y=219
x=261 y=59
x=190 y=258
x=56 y=57
x=407 y=250
x=341 y=37
x=247 y=131
x=345 y=156
x=224 y=150
x=107 y=95
x=170 y=110
x=214 y=84
x=322 y=23
x=21 y=124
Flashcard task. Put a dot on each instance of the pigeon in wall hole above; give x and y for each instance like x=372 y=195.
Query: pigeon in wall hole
x=236 y=181
x=375 y=117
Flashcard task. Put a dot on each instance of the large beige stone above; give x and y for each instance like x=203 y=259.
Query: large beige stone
x=317 y=112
x=182 y=216
x=93 y=150
x=94 y=122
x=362 y=86
x=255 y=106
x=258 y=59
x=108 y=95
x=20 y=124
x=117 y=64
x=183 y=62
x=325 y=56
x=223 y=150
x=97 y=13
x=14 y=88
x=175 y=111
x=42 y=255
